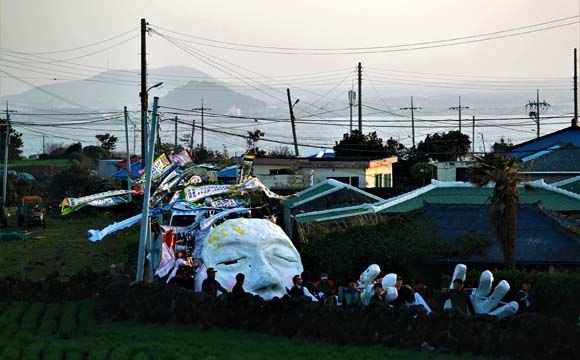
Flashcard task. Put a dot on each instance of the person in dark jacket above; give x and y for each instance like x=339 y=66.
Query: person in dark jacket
x=297 y=290
x=460 y=301
x=377 y=297
x=239 y=286
x=210 y=285
x=523 y=297
x=308 y=284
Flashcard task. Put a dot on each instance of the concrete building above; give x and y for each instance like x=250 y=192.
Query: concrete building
x=452 y=170
x=292 y=173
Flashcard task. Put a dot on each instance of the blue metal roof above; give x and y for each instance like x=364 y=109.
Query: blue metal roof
x=122 y=174
x=541 y=239
x=228 y=173
x=569 y=135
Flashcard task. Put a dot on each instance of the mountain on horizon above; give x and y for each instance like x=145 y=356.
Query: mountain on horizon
x=111 y=90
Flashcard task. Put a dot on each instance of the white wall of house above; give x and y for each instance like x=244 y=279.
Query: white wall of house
x=381 y=176
x=447 y=170
x=300 y=178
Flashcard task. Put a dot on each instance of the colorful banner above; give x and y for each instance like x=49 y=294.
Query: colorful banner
x=194 y=194
x=256 y=184
x=226 y=203
x=69 y=205
x=159 y=166
x=182 y=159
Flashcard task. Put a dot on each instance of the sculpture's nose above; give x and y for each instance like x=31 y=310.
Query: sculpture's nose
x=264 y=279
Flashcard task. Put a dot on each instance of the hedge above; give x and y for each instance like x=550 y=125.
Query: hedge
x=554 y=294
x=83 y=285
x=527 y=336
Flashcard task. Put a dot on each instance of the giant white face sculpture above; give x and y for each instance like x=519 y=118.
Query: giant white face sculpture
x=257 y=248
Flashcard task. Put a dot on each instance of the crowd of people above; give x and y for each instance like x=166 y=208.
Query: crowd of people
x=329 y=293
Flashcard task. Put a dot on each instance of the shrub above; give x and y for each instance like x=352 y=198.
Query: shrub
x=529 y=336
x=553 y=294
x=395 y=243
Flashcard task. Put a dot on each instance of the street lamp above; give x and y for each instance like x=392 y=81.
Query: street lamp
x=158 y=85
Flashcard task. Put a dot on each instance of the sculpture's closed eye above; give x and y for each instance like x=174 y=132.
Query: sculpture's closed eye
x=232 y=261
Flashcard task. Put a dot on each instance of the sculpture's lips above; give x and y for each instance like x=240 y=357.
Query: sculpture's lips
x=270 y=291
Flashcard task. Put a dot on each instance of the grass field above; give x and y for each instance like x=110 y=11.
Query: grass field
x=64 y=247
x=69 y=331
x=50 y=162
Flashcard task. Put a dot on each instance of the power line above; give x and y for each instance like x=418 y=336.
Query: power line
x=73 y=49
x=371 y=47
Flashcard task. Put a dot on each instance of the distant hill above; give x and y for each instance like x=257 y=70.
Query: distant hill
x=217 y=96
x=113 y=89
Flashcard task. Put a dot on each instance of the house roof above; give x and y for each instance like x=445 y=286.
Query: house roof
x=123 y=163
x=540 y=238
x=569 y=134
x=325 y=163
x=228 y=173
x=325 y=188
x=122 y=174
x=451 y=192
x=571 y=184
x=559 y=157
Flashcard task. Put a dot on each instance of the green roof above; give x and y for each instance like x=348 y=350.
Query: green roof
x=572 y=185
x=552 y=198
x=310 y=192
x=340 y=212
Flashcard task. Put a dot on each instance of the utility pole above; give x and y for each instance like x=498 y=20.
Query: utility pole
x=292 y=121
x=143 y=94
x=5 y=174
x=175 y=145
x=483 y=142
x=473 y=135
x=535 y=115
x=192 y=135
x=130 y=197
x=459 y=108
x=351 y=99
x=412 y=108
x=575 y=120
x=43 y=145
x=145 y=222
x=360 y=97
x=202 y=109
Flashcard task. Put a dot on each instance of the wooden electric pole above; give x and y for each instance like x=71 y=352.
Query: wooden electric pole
x=202 y=109
x=575 y=120
x=473 y=135
x=192 y=135
x=360 y=97
x=459 y=108
x=175 y=141
x=143 y=93
x=412 y=108
x=535 y=115
x=292 y=121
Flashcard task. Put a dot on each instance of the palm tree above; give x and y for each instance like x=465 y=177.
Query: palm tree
x=504 y=172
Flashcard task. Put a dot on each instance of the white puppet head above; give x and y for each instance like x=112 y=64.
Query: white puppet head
x=257 y=248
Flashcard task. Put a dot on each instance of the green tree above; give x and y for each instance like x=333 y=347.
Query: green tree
x=15 y=144
x=502 y=171
x=501 y=147
x=281 y=152
x=108 y=141
x=444 y=146
x=358 y=145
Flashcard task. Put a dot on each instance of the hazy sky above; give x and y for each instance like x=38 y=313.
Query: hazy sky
x=41 y=26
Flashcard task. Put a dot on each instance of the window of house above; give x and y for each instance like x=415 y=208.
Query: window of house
x=378 y=180
x=281 y=172
x=354 y=181
x=387 y=180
